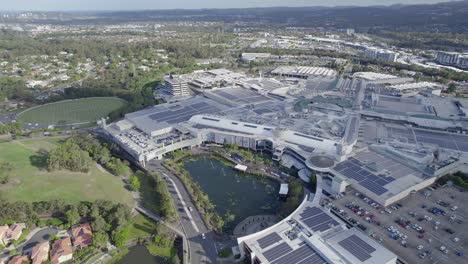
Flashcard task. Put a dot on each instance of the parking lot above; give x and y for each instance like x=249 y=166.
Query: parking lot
x=429 y=226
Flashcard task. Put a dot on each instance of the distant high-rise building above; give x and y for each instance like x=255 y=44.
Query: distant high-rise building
x=463 y=62
x=381 y=54
x=447 y=58
x=176 y=85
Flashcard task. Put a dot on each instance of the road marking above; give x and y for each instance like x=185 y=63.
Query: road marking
x=183 y=203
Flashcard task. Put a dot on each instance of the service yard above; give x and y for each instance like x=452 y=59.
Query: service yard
x=426 y=227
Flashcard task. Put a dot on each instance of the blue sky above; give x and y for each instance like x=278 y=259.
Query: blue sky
x=67 y=5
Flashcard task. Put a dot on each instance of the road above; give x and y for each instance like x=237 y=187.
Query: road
x=201 y=250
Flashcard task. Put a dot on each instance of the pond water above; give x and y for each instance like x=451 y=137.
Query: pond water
x=237 y=193
x=140 y=254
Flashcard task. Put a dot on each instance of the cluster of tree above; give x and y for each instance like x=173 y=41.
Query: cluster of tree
x=452 y=88
x=459 y=178
x=424 y=40
x=163 y=238
x=13 y=88
x=12 y=127
x=107 y=218
x=68 y=155
x=162 y=196
x=77 y=153
x=135 y=183
x=296 y=193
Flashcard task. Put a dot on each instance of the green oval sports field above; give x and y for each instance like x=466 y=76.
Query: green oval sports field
x=70 y=112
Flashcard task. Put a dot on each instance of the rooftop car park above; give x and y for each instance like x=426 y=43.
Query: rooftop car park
x=425 y=227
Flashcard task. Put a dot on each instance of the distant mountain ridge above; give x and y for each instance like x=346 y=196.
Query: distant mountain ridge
x=446 y=16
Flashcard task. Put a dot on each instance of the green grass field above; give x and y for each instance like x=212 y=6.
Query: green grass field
x=30 y=181
x=68 y=112
x=141 y=227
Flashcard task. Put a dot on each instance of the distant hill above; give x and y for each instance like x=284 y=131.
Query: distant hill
x=448 y=16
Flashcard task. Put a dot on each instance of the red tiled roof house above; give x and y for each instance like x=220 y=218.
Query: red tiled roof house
x=40 y=253
x=61 y=251
x=82 y=236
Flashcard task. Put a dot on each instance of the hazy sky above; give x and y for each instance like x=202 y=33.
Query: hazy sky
x=66 y=5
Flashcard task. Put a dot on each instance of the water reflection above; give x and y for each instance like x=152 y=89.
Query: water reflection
x=240 y=194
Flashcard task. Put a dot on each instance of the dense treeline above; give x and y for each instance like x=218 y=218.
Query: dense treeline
x=458 y=178
x=13 y=128
x=13 y=88
x=425 y=40
x=76 y=154
x=155 y=195
x=15 y=44
x=69 y=156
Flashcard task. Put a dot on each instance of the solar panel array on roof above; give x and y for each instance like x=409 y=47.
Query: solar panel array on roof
x=357 y=247
x=268 y=240
x=277 y=251
x=317 y=220
x=240 y=95
x=304 y=254
x=353 y=169
x=183 y=114
x=261 y=111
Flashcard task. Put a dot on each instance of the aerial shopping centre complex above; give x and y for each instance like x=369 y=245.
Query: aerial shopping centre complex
x=382 y=135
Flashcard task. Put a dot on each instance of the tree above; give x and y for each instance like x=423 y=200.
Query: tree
x=99 y=224
x=175 y=259
x=313 y=181
x=135 y=183
x=100 y=240
x=73 y=217
x=83 y=209
x=119 y=237
x=452 y=88
x=68 y=155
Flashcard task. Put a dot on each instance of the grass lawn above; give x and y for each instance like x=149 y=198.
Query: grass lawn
x=141 y=227
x=30 y=181
x=164 y=252
x=71 y=111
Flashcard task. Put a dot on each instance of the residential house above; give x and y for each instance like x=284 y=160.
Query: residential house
x=19 y=260
x=82 y=236
x=40 y=253
x=61 y=251
x=14 y=232
x=3 y=231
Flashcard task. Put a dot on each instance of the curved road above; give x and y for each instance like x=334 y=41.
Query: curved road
x=201 y=250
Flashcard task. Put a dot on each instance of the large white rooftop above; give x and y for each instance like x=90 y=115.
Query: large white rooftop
x=313 y=235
